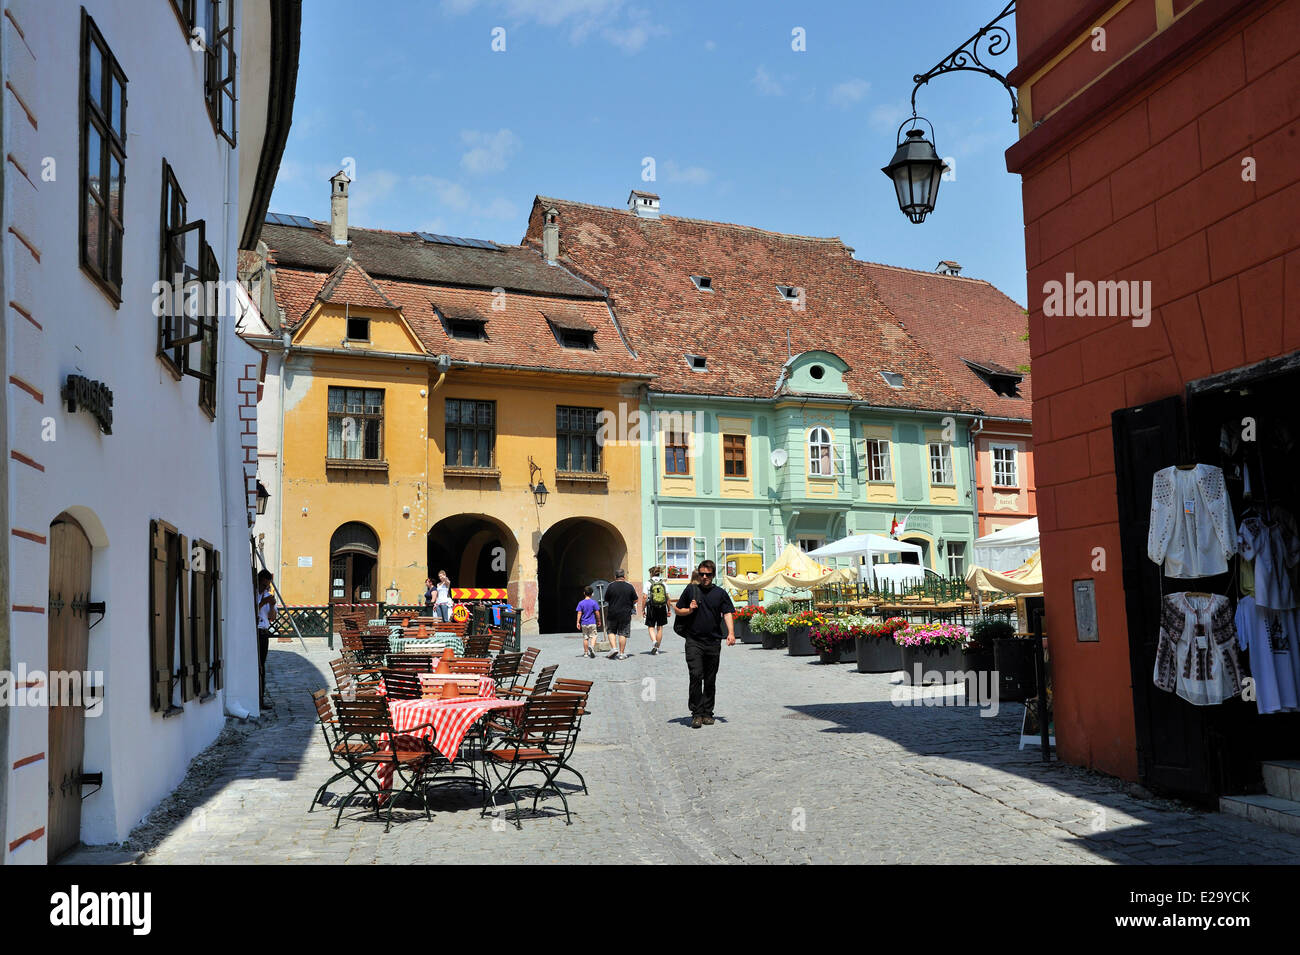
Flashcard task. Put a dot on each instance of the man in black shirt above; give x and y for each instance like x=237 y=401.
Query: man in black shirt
x=709 y=612
x=620 y=601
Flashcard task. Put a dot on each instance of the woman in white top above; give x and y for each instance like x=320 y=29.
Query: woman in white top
x=442 y=605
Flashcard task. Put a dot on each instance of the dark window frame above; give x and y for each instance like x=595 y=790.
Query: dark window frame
x=566 y=434
x=735 y=461
x=455 y=459
x=348 y=328
x=105 y=266
x=361 y=419
x=677 y=453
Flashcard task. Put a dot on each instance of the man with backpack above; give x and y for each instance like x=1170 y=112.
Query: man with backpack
x=654 y=604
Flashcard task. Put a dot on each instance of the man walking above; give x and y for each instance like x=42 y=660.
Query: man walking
x=265 y=614
x=709 y=614
x=620 y=602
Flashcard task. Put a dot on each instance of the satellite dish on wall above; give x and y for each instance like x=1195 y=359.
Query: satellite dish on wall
x=779 y=457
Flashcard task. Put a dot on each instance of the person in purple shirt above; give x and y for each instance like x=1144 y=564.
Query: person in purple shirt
x=587 y=611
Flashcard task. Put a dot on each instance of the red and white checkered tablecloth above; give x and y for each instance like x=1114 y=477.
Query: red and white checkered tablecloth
x=451 y=719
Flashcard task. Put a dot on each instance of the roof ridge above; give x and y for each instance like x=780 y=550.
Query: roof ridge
x=938 y=275
x=335 y=279
x=835 y=239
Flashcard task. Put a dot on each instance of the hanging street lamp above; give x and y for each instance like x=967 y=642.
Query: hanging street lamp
x=916 y=168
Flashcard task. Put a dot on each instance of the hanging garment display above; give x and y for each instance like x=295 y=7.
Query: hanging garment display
x=1273 y=547
x=1197 y=652
x=1191 y=529
x=1271 y=639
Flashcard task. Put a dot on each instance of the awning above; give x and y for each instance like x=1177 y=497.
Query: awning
x=1008 y=548
x=792 y=570
x=864 y=545
x=1025 y=579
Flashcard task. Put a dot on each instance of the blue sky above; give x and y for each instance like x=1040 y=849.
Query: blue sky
x=448 y=135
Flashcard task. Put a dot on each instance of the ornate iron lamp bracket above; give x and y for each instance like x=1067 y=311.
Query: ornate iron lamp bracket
x=996 y=40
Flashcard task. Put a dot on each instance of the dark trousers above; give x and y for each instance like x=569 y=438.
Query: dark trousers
x=263 y=644
x=702 y=656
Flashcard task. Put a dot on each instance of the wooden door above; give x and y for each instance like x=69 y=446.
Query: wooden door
x=69 y=642
x=1171 y=733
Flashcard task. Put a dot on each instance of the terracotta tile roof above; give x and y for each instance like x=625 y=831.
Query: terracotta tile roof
x=350 y=285
x=742 y=326
x=960 y=319
x=403 y=255
x=516 y=326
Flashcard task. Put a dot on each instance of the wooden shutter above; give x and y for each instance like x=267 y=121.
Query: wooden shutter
x=160 y=669
x=214 y=617
x=180 y=588
x=199 y=615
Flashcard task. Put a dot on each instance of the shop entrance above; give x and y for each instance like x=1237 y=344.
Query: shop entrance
x=1202 y=752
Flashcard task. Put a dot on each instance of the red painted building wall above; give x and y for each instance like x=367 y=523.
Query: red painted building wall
x=1135 y=162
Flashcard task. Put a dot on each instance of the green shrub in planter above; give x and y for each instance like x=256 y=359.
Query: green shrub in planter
x=771 y=628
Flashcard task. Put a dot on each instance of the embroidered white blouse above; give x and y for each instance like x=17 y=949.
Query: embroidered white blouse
x=1275 y=549
x=1192 y=530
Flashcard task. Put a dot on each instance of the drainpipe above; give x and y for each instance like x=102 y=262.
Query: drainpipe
x=5 y=770
x=444 y=363
x=654 y=474
x=976 y=426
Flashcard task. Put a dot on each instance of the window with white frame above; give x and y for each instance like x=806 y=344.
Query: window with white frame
x=675 y=556
x=1004 y=466
x=879 y=467
x=940 y=463
x=810 y=543
x=740 y=545
x=821 y=460
x=956 y=558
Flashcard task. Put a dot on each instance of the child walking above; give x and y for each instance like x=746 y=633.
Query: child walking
x=587 y=610
x=654 y=604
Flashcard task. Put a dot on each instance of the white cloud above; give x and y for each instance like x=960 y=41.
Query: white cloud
x=767 y=84
x=626 y=27
x=691 y=175
x=455 y=197
x=488 y=152
x=849 y=92
x=890 y=115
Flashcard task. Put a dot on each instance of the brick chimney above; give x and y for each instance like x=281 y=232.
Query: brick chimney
x=551 y=236
x=339 y=207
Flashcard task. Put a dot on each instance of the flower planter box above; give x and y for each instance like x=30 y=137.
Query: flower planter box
x=832 y=657
x=947 y=661
x=849 y=651
x=877 y=655
x=773 y=641
x=799 y=642
x=743 y=633
x=1013 y=658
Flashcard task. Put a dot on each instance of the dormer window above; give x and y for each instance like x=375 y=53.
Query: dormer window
x=789 y=292
x=358 y=329
x=467 y=328
x=703 y=282
x=892 y=378
x=697 y=362
x=1004 y=382
x=460 y=323
x=571 y=330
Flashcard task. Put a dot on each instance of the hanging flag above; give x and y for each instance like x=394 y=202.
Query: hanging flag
x=893 y=526
x=899 y=526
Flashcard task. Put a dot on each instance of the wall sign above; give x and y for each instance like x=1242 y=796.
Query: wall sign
x=93 y=396
x=1085 y=611
x=304 y=561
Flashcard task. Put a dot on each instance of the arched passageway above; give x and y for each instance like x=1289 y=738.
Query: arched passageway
x=572 y=554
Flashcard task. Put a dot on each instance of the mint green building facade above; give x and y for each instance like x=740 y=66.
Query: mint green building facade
x=810 y=465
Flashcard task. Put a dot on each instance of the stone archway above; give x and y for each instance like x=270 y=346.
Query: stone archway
x=475 y=550
x=572 y=554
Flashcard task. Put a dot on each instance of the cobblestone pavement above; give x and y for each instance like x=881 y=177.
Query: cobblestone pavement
x=807 y=763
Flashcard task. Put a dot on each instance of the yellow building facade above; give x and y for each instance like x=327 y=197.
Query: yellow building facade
x=410 y=446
